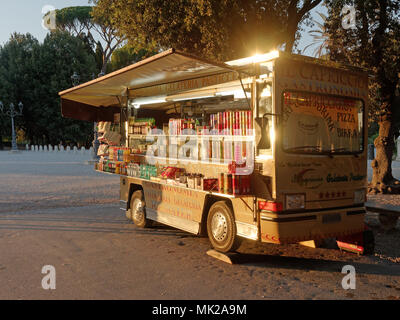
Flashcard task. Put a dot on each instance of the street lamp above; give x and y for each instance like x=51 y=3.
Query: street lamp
x=12 y=113
x=75 y=79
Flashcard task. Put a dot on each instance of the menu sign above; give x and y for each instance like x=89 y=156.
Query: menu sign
x=324 y=121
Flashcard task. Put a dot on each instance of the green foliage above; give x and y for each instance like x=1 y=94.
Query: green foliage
x=126 y=56
x=219 y=29
x=34 y=74
x=75 y=20
x=81 y=21
x=320 y=38
x=372 y=138
x=98 y=56
x=17 y=59
x=61 y=56
x=374 y=44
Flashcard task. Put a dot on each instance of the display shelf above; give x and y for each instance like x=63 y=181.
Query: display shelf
x=177 y=160
x=229 y=196
x=226 y=137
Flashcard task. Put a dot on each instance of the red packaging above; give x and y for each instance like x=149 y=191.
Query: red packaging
x=246 y=184
x=221 y=180
x=223 y=123
x=169 y=172
x=237 y=123
x=235 y=185
x=249 y=121
x=230 y=189
x=210 y=184
x=240 y=180
x=220 y=122
x=242 y=123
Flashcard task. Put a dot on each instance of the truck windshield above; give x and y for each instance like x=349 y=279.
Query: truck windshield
x=322 y=124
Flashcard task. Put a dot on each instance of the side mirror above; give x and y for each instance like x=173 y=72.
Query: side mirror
x=265 y=141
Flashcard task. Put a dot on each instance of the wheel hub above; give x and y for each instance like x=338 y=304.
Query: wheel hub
x=138 y=213
x=219 y=226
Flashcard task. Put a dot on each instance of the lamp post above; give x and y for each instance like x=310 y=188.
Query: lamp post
x=75 y=79
x=12 y=113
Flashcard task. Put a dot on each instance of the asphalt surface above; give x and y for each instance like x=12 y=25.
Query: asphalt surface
x=55 y=210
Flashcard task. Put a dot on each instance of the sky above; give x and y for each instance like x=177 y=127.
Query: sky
x=26 y=16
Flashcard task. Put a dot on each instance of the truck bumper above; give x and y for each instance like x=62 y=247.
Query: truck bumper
x=288 y=228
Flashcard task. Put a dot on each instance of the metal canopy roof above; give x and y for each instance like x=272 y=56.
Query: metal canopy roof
x=167 y=67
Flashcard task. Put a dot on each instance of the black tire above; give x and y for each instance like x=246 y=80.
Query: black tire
x=369 y=242
x=221 y=228
x=138 y=210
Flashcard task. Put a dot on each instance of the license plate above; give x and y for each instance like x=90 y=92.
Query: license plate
x=331 y=218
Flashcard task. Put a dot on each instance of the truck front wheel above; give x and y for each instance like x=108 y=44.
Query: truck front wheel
x=221 y=228
x=138 y=210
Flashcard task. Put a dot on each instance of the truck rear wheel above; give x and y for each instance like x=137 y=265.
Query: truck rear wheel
x=221 y=228
x=368 y=242
x=138 y=210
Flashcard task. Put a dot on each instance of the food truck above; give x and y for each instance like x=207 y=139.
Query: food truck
x=270 y=148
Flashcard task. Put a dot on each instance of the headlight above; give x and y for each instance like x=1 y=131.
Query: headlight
x=295 y=201
x=359 y=196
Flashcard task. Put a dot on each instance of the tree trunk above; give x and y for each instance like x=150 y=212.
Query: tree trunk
x=382 y=179
x=104 y=68
x=290 y=43
x=291 y=32
x=106 y=59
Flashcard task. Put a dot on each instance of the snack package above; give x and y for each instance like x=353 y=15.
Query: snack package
x=103 y=126
x=210 y=184
x=103 y=150
x=191 y=181
x=170 y=172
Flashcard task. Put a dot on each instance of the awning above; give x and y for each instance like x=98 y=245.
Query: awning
x=81 y=111
x=166 y=73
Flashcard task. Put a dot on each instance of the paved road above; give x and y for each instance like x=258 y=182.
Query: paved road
x=30 y=180
x=98 y=254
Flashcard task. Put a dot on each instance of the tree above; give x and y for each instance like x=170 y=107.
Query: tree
x=219 y=29
x=74 y=20
x=297 y=12
x=126 y=56
x=321 y=40
x=82 y=22
x=34 y=74
x=16 y=74
x=65 y=54
x=373 y=42
x=102 y=23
